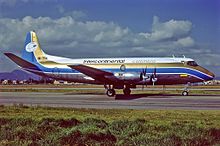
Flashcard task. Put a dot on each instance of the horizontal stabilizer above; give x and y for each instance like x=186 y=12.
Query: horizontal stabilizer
x=21 y=62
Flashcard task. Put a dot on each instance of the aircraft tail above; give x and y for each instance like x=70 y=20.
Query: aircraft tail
x=32 y=51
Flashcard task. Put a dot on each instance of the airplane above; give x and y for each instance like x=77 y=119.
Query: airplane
x=113 y=73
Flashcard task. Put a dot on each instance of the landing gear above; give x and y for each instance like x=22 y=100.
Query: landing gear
x=185 y=93
x=186 y=90
x=110 y=89
x=127 y=91
x=110 y=92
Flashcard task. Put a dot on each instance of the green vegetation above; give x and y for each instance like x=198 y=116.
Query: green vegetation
x=22 y=125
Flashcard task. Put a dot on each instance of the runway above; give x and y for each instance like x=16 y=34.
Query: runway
x=137 y=101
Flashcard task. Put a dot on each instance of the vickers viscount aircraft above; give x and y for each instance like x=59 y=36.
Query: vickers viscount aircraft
x=113 y=73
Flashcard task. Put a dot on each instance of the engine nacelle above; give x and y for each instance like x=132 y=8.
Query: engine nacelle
x=131 y=76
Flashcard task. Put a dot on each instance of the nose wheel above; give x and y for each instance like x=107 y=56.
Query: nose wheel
x=185 y=93
x=186 y=90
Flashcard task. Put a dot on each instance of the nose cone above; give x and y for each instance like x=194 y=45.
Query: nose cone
x=212 y=74
x=209 y=74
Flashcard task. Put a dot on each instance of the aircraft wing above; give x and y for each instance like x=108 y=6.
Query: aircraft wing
x=93 y=72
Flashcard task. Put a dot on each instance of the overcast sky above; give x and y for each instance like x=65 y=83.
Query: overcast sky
x=112 y=28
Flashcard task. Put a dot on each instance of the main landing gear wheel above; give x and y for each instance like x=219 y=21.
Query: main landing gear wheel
x=185 y=93
x=127 y=91
x=110 y=92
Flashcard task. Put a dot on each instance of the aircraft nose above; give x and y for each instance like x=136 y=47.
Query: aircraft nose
x=212 y=74
x=209 y=73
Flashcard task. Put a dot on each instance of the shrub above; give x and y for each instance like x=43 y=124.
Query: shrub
x=23 y=122
x=96 y=137
x=27 y=133
x=127 y=128
x=47 y=125
x=97 y=122
x=199 y=141
x=72 y=138
x=67 y=123
x=89 y=137
x=90 y=132
x=60 y=122
x=4 y=121
x=171 y=139
x=7 y=132
x=215 y=133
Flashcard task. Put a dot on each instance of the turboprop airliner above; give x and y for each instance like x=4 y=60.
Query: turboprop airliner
x=113 y=73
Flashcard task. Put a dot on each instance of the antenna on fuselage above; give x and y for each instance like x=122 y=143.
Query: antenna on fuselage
x=173 y=56
x=184 y=56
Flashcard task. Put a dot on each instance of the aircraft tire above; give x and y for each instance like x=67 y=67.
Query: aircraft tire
x=110 y=92
x=127 y=91
x=185 y=93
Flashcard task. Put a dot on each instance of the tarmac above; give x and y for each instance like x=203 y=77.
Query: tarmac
x=136 y=101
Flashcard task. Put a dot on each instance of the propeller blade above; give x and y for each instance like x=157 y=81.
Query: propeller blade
x=155 y=72
x=141 y=76
x=145 y=71
x=153 y=76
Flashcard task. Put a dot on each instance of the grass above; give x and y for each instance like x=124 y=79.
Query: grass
x=23 y=125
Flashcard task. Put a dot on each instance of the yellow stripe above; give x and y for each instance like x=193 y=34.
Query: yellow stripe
x=38 y=53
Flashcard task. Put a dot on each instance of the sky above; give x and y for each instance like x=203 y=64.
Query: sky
x=114 y=28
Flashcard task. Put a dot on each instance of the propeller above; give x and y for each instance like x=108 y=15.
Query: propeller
x=154 y=77
x=143 y=76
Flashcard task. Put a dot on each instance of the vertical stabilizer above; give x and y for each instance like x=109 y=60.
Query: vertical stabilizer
x=32 y=51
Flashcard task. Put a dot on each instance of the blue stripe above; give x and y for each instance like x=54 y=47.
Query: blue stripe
x=149 y=71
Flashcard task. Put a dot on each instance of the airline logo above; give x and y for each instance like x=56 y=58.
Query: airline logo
x=31 y=47
x=118 y=61
x=183 y=75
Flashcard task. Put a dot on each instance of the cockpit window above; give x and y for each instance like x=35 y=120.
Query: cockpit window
x=192 y=63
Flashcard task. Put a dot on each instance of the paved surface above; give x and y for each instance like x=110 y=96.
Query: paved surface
x=138 y=101
x=137 y=89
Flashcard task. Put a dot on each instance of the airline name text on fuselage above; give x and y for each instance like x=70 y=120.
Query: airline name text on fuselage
x=118 y=61
x=144 y=61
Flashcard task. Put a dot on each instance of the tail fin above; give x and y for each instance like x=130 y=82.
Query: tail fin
x=32 y=51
